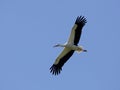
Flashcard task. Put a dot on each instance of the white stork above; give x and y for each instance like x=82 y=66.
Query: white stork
x=70 y=46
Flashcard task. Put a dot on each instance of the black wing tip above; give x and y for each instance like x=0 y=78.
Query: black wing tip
x=81 y=20
x=55 y=69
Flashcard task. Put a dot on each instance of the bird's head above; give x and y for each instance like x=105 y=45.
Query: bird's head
x=57 y=45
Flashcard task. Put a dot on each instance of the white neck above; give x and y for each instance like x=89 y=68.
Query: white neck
x=59 y=45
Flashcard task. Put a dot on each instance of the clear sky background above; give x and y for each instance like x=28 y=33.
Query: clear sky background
x=30 y=28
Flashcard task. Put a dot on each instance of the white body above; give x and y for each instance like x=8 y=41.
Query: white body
x=70 y=46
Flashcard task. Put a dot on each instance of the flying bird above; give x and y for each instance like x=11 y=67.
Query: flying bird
x=70 y=46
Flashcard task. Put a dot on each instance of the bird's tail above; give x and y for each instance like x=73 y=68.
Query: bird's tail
x=78 y=52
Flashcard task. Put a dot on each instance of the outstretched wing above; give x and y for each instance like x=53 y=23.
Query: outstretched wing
x=60 y=61
x=73 y=39
x=77 y=30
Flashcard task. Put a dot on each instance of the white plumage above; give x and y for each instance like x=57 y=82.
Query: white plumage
x=70 y=46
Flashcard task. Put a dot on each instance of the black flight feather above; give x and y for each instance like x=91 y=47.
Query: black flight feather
x=56 y=68
x=80 y=22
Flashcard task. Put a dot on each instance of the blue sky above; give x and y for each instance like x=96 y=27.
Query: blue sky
x=30 y=28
